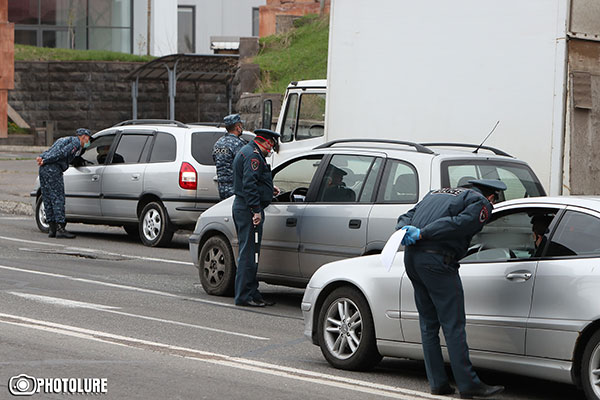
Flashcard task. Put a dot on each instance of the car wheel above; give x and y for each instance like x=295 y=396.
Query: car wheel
x=154 y=225
x=40 y=216
x=132 y=230
x=590 y=368
x=217 y=267
x=346 y=332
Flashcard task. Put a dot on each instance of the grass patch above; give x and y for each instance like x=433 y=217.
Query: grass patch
x=33 y=53
x=298 y=54
x=14 y=129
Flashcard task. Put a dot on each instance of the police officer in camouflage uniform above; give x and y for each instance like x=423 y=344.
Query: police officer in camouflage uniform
x=254 y=191
x=224 y=152
x=53 y=162
x=439 y=230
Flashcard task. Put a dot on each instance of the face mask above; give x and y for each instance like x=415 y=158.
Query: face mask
x=86 y=145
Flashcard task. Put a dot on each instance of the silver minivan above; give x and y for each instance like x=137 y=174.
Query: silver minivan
x=150 y=176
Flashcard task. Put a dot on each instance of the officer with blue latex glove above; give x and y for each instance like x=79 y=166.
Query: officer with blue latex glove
x=439 y=230
x=411 y=236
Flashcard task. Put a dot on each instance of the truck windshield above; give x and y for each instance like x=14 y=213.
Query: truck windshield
x=520 y=180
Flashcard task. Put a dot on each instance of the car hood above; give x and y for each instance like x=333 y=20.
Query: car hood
x=361 y=271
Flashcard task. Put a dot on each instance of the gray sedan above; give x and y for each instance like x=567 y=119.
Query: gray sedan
x=531 y=281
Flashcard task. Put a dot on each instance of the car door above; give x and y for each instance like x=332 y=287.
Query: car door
x=122 y=180
x=498 y=276
x=334 y=225
x=83 y=184
x=283 y=218
x=566 y=286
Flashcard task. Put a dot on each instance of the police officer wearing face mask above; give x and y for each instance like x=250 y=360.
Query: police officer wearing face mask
x=254 y=191
x=53 y=162
x=439 y=230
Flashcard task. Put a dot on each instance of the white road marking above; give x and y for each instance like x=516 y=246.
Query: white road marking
x=162 y=260
x=16 y=218
x=222 y=359
x=110 y=309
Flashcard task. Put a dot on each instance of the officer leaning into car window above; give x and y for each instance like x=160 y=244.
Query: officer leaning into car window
x=254 y=190
x=224 y=152
x=439 y=230
x=53 y=162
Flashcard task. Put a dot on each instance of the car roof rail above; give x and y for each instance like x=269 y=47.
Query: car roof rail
x=152 y=122
x=494 y=150
x=215 y=124
x=419 y=147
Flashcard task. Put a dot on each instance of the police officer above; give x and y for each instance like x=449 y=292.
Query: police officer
x=439 y=230
x=53 y=162
x=224 y=152
x=254 y=190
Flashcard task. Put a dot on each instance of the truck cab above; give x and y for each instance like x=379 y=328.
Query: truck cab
x=301 y=121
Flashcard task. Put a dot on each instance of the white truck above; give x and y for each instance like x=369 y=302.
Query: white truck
x=438 y=71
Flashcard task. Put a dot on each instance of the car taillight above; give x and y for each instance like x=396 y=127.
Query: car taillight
x=188 y=177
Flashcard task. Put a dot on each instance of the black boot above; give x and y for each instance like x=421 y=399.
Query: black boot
x=62 y=233
x=52 y=229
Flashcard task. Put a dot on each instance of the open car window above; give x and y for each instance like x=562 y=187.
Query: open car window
x=515 y=234
x=294 y=179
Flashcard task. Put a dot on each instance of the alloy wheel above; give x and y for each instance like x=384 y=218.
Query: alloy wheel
x=343 y=328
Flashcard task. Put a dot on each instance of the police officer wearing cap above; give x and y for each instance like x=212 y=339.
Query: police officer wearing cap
x=224 y=152
x=254 y=190
x=439 y=230
x=53 y=162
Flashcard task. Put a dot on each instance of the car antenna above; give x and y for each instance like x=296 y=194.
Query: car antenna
x=492 y=131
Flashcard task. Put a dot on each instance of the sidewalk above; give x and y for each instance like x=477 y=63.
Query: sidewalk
x=18 y=171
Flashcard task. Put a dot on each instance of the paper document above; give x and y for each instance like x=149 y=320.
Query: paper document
x=391 y=248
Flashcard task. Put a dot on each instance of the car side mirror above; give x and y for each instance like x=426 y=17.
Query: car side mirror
x=267 y=114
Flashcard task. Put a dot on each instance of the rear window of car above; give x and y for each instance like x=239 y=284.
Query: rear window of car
x=203 y=143
x=519 y=178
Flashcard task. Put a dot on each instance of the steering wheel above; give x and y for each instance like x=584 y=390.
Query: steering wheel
x=508 y=252
x=298 y=191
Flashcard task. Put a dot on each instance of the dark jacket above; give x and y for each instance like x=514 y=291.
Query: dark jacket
x=62 y=152
x=252 y=178
x=448 y=219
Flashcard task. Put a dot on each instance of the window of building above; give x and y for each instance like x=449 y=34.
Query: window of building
x=73 y=24
x=255 y=21
x=186 y=29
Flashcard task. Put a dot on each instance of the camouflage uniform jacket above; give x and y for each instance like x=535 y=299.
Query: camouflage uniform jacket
x=223 y=154
x=62 y=152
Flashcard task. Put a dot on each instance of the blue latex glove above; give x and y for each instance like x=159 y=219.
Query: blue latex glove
x=411 y=236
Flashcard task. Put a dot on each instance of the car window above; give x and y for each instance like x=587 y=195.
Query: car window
x=400 y=183
x=289 y=123
x=203 y=143
x=164 y=148
x=129 y=149
x=577 y=234
x=368 y=190
x=344 y=178
x=519 y=234
x=98 y=150
x=519 y=178
x=297 y=174
x=311 y=116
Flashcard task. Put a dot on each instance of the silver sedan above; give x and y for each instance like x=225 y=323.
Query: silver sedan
x=531 y=280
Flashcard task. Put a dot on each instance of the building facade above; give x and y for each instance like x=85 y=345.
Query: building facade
x=155 y=27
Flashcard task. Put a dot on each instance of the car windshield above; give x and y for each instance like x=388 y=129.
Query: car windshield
x=519 y=178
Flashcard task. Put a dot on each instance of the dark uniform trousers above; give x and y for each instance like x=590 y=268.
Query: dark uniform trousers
x=440 y=301
x=246 y=283
x=53 y=192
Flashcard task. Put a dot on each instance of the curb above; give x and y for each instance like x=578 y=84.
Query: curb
x=23 y=149
x=15 y=207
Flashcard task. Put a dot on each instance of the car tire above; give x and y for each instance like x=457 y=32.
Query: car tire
x=217 y=267
x=345 y=331
x=40 y=216
x=154 y=226
x=590 y=365
x=132 y=230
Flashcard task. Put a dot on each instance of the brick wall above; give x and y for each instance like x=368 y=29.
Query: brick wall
x=96 y=95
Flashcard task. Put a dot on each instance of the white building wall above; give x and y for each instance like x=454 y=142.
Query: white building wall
x=220 y=18
x=140 y=27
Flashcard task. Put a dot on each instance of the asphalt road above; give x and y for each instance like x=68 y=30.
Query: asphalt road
x=104 y=306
